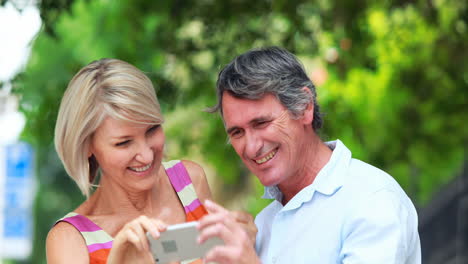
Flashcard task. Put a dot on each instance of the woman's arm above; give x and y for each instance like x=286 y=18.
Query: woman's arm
x=65 y=244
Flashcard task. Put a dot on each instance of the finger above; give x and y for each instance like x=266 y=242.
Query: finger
x=228 y=231
x=242 y=216
x=212 y=219
x=140 y=232
x=160 y=224
x=209 y=232
x=213 y=207
x=148 y=225
x=133 y=239
x=245 y=219
x=221 y=254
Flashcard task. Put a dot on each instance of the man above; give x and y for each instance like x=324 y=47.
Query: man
x=328 y=207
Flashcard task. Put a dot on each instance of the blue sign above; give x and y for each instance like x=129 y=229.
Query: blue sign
x=19 y=192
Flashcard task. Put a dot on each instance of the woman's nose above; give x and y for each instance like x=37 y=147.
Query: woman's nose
x=145 y=154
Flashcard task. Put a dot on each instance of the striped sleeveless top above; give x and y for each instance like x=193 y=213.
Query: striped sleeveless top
x=99 y=243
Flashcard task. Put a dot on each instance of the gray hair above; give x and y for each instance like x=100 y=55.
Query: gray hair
x=273 y=70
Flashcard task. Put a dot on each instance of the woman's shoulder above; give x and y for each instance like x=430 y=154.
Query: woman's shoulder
x=198 y=177
x=63 y=230
x=193 y=168
x=64 y=242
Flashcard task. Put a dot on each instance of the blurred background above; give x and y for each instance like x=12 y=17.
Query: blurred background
x=391 y=77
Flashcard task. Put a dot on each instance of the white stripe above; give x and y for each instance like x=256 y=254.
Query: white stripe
x=71 y=214
x=170 y=164
x=187 y=195
x=96 y=237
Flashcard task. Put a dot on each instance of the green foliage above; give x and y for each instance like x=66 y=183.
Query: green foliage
x=392 y=80
x=411 y=98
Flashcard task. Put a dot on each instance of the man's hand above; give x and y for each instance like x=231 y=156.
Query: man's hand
x=131 y=244
x=238 y=245
x=246 y=220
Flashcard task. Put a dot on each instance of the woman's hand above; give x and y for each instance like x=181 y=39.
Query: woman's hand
x=131 y=244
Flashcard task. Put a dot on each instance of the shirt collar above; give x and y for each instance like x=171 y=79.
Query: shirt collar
x=328 y=180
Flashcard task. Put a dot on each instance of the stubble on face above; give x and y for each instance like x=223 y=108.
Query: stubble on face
x=270 y=150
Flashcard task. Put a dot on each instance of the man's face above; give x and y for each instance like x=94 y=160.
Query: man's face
x=265 y=136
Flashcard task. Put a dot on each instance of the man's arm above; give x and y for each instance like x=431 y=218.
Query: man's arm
x=382 y=229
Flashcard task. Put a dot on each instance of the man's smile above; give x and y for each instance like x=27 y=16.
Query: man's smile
x=268 y=157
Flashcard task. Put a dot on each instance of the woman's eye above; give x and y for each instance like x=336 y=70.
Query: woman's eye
x=153 y=128
x=122 y=143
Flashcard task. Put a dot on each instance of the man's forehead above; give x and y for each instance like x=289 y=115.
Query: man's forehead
x=240 y=111
x=231 y=100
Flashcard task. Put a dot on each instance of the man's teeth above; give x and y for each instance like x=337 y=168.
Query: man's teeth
x=140 y=169
x=266 y=158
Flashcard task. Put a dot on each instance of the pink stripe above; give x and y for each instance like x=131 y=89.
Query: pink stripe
x=94 y=247
x=192 y=206
x=178 y=176
x=82 y=223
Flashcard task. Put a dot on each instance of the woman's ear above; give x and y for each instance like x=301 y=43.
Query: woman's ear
x=308 y=114
x=90 y=151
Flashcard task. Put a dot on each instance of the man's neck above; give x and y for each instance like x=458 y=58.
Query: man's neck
x=316 y=155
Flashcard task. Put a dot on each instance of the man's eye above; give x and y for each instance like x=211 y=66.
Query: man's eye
x=261 y=124
x=235 y=133
x=123 y=143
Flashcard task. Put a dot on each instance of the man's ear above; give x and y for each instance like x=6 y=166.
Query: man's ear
x=308 y=114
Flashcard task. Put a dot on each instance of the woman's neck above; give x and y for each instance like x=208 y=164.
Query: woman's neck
x=111 y=198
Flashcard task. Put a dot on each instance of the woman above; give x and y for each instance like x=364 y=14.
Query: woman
x=109 y=123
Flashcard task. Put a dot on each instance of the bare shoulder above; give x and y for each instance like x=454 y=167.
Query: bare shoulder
x=193 y=168
x=196 y=172
x=65 y=244
x=198 y=177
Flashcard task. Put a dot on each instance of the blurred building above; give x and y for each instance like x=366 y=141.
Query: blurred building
x=443 y=224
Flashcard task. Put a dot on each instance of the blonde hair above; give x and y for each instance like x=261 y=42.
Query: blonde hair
x=104 y=88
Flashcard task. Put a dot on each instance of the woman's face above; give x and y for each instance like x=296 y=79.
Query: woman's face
x=129 y=154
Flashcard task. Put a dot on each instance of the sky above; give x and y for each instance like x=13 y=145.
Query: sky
x=17 y=29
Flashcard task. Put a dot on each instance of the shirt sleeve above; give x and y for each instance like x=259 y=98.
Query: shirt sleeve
x=381 y=229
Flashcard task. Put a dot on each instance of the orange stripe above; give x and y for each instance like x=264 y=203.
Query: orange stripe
x=198 y=261
x=99 y=256
x=196 y=214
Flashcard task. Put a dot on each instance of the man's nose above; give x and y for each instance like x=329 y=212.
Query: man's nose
x=253 y=145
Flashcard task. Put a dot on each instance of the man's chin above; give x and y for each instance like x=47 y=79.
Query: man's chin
x=267 y=182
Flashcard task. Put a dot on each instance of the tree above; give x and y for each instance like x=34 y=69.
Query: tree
x=391 y=77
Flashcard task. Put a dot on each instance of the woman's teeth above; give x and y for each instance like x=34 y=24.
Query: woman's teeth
x=140 y=169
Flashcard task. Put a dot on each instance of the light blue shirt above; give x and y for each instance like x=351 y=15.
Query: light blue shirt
x=351 y=213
